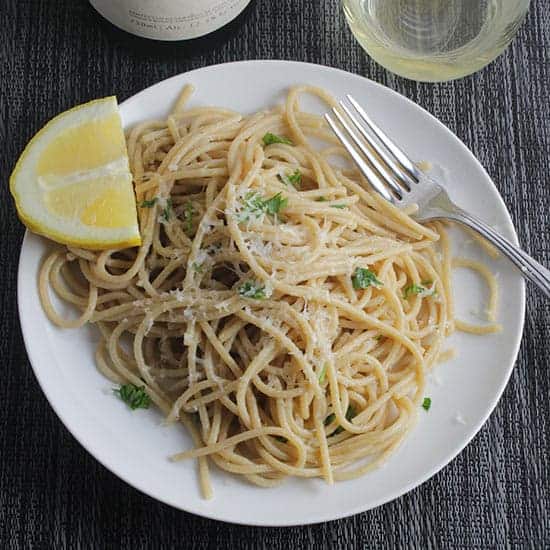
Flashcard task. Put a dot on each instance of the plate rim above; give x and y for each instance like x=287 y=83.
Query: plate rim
x=26 y=327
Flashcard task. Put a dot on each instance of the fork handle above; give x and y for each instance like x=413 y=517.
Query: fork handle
x=530 y=268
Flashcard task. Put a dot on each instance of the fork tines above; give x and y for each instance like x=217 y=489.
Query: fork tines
x=385 y=166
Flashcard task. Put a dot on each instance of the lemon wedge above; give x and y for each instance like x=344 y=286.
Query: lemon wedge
x=72 y=183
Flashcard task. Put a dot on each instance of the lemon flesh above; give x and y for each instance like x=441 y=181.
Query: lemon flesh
x=72 y=182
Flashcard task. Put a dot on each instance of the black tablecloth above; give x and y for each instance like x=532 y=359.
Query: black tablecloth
x=53 y=494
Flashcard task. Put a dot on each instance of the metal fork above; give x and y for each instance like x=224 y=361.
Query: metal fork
x=394 y=176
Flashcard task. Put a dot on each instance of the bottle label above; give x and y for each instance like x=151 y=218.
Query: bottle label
x=169 y=19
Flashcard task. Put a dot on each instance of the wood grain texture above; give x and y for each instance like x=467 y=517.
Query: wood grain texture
x=496 y=494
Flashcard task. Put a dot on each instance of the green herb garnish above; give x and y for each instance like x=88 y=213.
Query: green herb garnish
x=275 y=204
x=135 y=397
x=270 y=138
x=167 y=210
x=350 y=413
x=323 y=373
x=427 y=403
x=255 y=205
x=294 y=179
x=149 y=203
x=252 y=289
x=363 y=278
x=321 y=199
x=413 y=289
x=188 y=215
x=197 y=267
x=338 y=206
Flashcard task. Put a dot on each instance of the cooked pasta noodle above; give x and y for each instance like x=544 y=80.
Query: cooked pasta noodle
x=277 y=307
x=492 y=307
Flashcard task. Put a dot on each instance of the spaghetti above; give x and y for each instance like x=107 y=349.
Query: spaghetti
x=278 y=308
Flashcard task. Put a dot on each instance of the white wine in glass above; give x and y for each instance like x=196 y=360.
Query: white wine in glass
x=434 y=40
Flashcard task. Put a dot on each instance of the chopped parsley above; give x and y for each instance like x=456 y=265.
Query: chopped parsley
x=350 y=413
x=252 y=289
x=414 y=289
x=197 y=267
x=275 y=204
x=252 y=206
x=167 y=210
x=135 y=397
x=321 y=199
x=363 y=278
x=323 y=373
x=255 y=205
x=270 y=138
x=294 y=179
x=149 y=203
x=188 y=215
x=427 y=403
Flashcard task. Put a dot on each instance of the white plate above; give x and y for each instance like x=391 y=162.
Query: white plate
x=135 y=446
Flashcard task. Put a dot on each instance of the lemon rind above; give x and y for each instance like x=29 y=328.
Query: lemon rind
x=132 y=239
